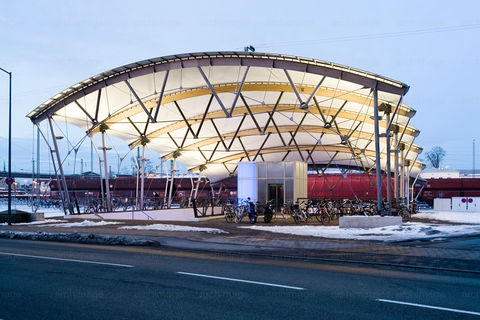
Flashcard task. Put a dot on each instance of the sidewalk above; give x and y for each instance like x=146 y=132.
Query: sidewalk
x=460 y=253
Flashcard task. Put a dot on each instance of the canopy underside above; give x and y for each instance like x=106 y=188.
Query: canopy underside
x=242 y=107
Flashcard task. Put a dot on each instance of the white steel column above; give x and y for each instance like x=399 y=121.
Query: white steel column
x=172 y=174
x=191 y=191
x=195 y=186
x=198 y=185
x=136 y=181
x=407 y=181
x=142 y=180
x=57 y=179
x=415 y=180
x=395 y=180
x=413 y=185
x=165 y=194
x=102 y=191
x=38 y=166
x=107 y=181
x=59 y=160
x=99 y=170
x=377 y=151
x=389 y=186
x=402 y=172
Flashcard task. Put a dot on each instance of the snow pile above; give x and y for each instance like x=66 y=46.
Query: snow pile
x=409 y=231
x=39 y=222
x=79 y=238
x=172 y=227
x=451 y=216
x=48 y=212
x=85 y=223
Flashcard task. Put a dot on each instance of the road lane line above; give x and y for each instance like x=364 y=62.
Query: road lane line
x=64 y=259
x=429 y=307
x=240 y=280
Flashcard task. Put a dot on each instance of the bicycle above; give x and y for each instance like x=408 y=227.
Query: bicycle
x=300 y=212
x=322 y=214
x=95 y=207
x=241 y=210
x=229 y=212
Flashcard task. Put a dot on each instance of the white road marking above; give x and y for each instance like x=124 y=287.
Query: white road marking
x=64 y=259
x=429 y=307
x=240 y=280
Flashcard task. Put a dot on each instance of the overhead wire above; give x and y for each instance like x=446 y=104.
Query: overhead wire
x=372 y=36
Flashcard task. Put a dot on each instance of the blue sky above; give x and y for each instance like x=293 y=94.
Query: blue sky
x=430 y=45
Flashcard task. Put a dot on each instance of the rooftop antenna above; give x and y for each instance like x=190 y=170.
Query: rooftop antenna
x=250 y=48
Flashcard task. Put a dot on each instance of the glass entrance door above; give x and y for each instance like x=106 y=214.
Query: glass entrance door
x=275 y=195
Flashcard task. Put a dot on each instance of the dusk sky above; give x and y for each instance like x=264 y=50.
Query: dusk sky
x=430 y=45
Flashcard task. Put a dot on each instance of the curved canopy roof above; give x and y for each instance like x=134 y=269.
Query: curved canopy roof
x=212 y=110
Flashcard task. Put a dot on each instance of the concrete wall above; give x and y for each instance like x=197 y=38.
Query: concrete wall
x=458 y=204
x=464 y=204
x=442 y=204
x=473 y=204
x=369 y=221
x=180 y=214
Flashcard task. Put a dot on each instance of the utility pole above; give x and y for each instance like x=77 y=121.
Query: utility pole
x=9 y=145
x=38 y=165
x=474 y=158
x=33 y=177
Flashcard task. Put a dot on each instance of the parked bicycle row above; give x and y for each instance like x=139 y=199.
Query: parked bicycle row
x=236 y=210
x=305 y=210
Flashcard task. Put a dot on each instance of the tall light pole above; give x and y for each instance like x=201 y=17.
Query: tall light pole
x=9 y=145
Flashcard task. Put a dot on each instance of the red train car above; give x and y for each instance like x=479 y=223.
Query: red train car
x=125 y=186
x=448 y=188
x=329 y=186
x=339 y=186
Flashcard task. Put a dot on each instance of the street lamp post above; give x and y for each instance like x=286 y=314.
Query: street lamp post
x=9 y=145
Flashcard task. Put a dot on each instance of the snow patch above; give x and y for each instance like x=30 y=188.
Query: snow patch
x=85 y=223
x=409 y=231
x=450 y=216
x=39 y=222
x=173 y=227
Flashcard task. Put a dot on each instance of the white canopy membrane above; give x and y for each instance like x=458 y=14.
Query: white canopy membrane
x=210 y=111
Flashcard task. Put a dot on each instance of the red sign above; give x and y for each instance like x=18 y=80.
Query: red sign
x=9 y=180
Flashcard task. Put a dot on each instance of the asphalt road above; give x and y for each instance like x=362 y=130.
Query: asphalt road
x=46 y=280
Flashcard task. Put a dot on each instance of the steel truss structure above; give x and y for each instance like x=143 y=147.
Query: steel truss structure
x=210 y=111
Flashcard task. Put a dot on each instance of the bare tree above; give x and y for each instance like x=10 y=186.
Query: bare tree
x=435 y=156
